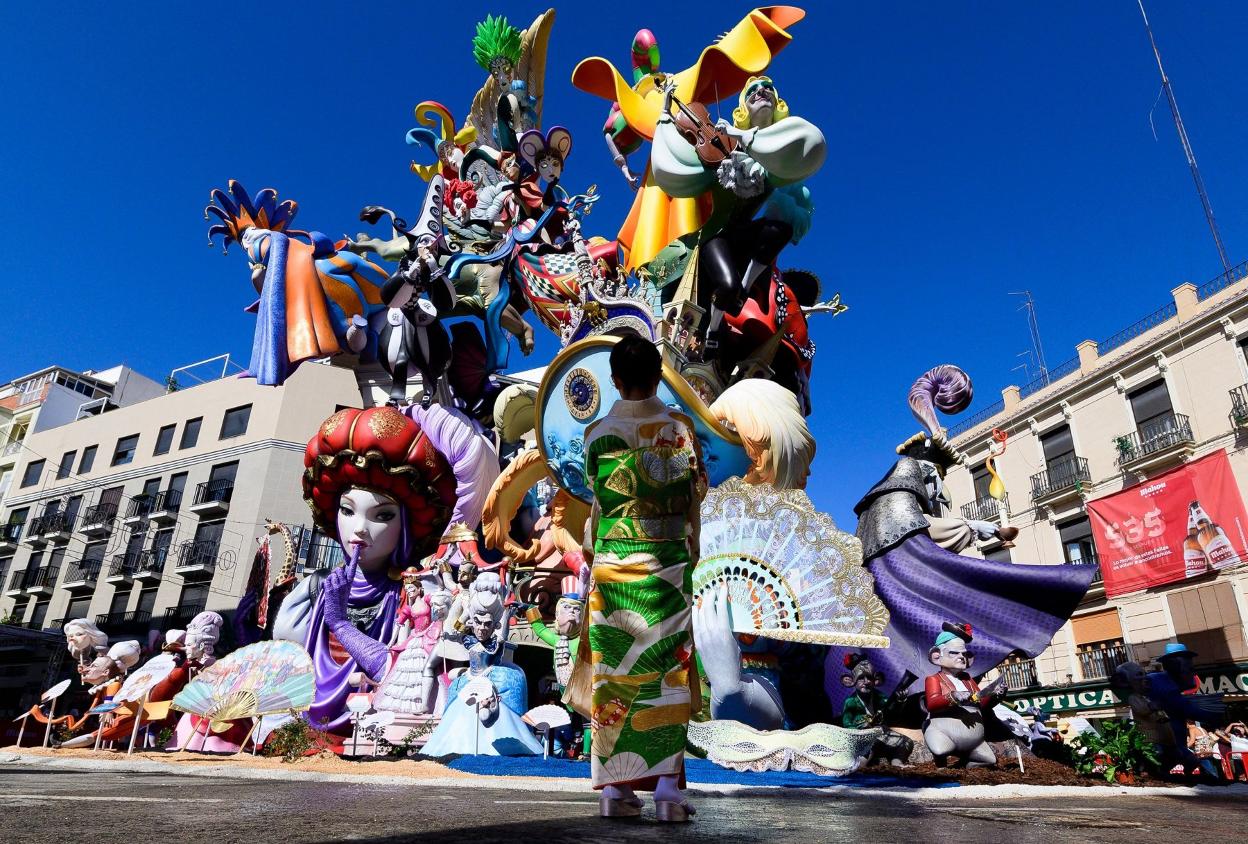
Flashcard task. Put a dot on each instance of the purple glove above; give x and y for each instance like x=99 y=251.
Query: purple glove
x=370 y=654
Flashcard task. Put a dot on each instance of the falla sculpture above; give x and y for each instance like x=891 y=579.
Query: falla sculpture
x=467 y=520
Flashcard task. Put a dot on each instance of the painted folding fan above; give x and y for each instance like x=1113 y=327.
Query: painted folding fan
x=790 y=573
x=139 y=683
x=260 y=679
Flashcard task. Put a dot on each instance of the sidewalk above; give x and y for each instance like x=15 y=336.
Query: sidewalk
x=471 y=771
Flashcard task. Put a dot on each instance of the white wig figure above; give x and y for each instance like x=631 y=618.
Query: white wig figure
x=202 y=635
x=769 y=421
x=84 y=638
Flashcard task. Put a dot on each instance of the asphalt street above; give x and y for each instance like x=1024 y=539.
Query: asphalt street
x=137 y=808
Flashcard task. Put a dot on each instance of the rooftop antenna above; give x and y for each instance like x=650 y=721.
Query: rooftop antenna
x=1187 y=146
x=1037 y=347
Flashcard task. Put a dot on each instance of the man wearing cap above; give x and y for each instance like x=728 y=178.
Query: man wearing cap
x=956 y=705
x=1171 y=690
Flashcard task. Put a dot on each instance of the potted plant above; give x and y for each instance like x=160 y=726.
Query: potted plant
x=1119 y=752
x=1125 y=447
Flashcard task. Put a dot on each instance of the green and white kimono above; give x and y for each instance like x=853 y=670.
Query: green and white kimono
x=644 y=464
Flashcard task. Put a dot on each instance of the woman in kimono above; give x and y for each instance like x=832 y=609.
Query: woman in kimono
x=644 y=464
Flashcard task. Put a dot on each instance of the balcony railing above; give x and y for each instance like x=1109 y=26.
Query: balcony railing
x=1061 y=475
x=175 y=616
x=167 y=502
x=1099 y=663
x=84 y=571
x=1158 y=435
x=323 y=555
x=43 y=577
x=120 y=619
x=1239 y=406
x=198 y=554
x=1020 y=674
x=100 y=514
x=124 y=564
x=34 y=528
x=58 y=523
x=12 y=448
x=139 y=507
x=151 y=563
x=985 y=509
x=219 y=491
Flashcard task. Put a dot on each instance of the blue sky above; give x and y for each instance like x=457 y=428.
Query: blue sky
x=976 y=149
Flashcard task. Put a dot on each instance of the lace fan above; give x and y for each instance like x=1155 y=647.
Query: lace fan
x=790 y=573
x=260 y=679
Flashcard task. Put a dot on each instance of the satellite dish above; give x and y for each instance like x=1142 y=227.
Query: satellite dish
x=56 y=691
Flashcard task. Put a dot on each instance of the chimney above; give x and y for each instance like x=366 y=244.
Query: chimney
x=1011 y=397
x=1089 y=353
x=1185 y=300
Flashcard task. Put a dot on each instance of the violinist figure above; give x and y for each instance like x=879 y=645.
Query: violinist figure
x=752 y=169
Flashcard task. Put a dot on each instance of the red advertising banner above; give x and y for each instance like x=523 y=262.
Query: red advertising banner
x=1184 y=523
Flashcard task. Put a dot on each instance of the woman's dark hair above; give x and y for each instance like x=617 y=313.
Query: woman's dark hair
x=636 y=362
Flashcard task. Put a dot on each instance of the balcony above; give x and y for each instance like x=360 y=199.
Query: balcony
x=165 y=506
x=1166 y=439
x=41 y=581
x=121 y=569
x=323 y=555
x=114 y=622
x=10 y=535
x=83 y=575
x=197 y=557
x=98 y=520
x=11 y=448
x=212 y=498
x=150 y=565
x=1239 y=406
x=136 y=512
x=1098 y=663
x=58 y=527
x=1064 y=478
x=14 y=585
x=1020 y=674
x=34 y=533
x=986 y=509
x=179 y=617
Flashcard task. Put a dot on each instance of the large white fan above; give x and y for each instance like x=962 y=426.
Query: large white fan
x=790 y=573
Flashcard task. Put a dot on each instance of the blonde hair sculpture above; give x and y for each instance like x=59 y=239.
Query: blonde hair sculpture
x=741 y=116
x=769 y=421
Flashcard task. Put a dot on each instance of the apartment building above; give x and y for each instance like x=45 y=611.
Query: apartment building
x=147 y=514
x=56 y=396
x=1116 y=422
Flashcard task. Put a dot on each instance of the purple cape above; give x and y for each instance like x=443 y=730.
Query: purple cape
x=1010 y=607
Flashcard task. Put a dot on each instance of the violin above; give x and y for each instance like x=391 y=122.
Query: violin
x=694 y=123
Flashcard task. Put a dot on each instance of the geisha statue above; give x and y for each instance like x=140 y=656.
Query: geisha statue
x=377 y=484
x=911 y=544
x=485 y=703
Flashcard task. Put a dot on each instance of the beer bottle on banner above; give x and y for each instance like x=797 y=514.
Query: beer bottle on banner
x=1217 y=547
x=1195 y=563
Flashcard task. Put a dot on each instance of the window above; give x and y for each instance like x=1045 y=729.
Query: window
x=134 y=546
x=40 y=615
x=164 y=440
x=1058 y=445
x=56 y=558
x=126 y=447
x=980 y=478
x=1077 y=545
x=150 y=487
x=78 y=607
x=1150 y=403
x=208 y=536
x=6 y=478
x=66 y=466
x=160 y=546
x=1000 y=555
x=88 y=459
x=190 y=432
x=173 y=495
x=31 y=476
x=194 y=597
x=94 y=552
x=235 y=422
x=121 y=600
x=147 y=599
x=71 y=510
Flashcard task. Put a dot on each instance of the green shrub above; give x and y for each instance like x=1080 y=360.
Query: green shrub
x=1120 y=747
x=296 y=739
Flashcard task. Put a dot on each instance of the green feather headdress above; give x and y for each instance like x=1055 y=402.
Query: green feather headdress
x=495 y=38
